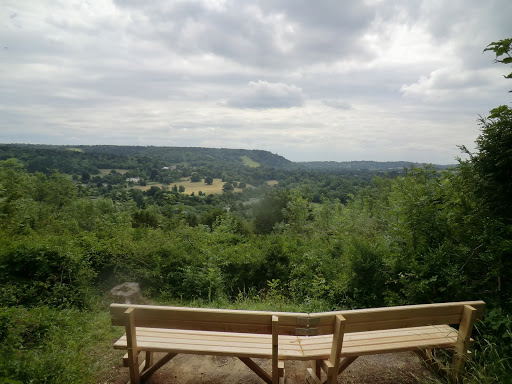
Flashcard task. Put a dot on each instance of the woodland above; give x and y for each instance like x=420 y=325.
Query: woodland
x=280 y=236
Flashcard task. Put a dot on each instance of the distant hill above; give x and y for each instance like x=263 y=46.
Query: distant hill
x=192 y=156
x=333 y=166
x=196 y=157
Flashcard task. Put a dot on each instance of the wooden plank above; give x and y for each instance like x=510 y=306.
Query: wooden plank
x=353 y=326
x=337 y=342
x=256 y=369
x=154 y=367
x=452 y=337
x=462 y=345
x=288 y=349
x=149 y=315
x=311 y=377
x=313 y=346
x=345 y=363
x=386 y=336
x=196 y=339
x=280 y=368
x=275 y=350
x=131 y=342
x=317 y=368
x=148 y=362
x=376 y=325
x=406 y=311
x=352 y=337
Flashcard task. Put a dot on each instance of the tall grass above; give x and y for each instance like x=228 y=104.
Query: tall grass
x=47 y=345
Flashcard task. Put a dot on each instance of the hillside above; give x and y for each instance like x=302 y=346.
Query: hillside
x=198 y=157
x=336 y=166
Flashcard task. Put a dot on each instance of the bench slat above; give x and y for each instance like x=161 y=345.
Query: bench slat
x=168 y=317
x=169 y=340
x=291 y=347
x=398 y=317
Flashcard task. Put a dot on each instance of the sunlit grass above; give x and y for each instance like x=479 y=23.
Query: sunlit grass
x=249 y=162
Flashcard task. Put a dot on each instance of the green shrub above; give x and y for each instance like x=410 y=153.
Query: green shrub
x=47 y=345
x=33 y=274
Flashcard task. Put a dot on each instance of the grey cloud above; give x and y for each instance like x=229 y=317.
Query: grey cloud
x=277 y=34
x=338 y=104
x=113 y=68
x=262 y=95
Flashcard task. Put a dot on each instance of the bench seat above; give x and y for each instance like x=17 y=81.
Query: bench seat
x=212 y=343
x=291 y=347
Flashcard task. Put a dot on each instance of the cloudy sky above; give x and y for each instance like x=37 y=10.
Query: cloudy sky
x=310 y=80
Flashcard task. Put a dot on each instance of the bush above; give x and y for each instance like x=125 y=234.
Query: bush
x=47 y=345
x=32 y=275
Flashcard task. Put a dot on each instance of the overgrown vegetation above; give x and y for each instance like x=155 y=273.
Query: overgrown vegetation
x=316 y=241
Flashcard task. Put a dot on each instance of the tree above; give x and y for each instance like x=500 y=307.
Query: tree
x=228 y=186
x=502 y=48
x=208 y=180
x=195 y=178
x=86 y=176
x=491 y=169
x=493 y=162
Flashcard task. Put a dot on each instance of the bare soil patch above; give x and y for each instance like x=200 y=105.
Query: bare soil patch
x=397 y=368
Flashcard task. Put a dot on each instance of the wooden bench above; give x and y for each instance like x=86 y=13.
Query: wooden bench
x=331 y=340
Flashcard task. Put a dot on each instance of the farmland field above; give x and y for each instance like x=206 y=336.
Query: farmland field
x=190 y=187
x=215 y=188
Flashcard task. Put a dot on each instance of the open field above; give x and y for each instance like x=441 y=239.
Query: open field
x=107 y=171
x=249 y=162
x=215 y=188
x=272 y=183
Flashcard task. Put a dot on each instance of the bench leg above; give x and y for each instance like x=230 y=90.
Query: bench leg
x=318 y=368
x=463 y=340
x=149 y=360
x=431 y=361
x=314 y=376
x=150 y=368
x=133 y=366
x=256 y=369
x=281 y=371
x=345 y=362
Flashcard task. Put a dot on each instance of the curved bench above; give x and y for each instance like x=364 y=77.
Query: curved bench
x=332 y=340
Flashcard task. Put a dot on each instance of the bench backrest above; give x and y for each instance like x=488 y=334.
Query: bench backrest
x=303 y=324
x=206 y=319
x=374 y=319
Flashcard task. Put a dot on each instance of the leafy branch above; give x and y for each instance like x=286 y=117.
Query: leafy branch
x=502 y=48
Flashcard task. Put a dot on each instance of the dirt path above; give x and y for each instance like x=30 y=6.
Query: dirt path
x=398 y=368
